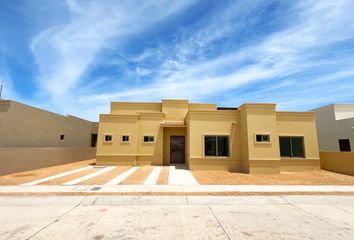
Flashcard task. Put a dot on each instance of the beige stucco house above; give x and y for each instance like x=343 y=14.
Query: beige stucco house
x=253 y=138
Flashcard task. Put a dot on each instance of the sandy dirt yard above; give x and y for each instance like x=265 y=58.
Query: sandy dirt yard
x=27 y=176
x=318 y=177
x=204 y=177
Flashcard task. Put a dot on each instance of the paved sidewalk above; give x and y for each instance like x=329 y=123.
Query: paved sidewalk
x=197 y=189
x=178 y=217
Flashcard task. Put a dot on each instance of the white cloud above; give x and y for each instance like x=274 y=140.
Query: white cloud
x=63 y=53
x=282 y=53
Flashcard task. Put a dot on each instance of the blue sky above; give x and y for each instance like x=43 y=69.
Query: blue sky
x=74 y=57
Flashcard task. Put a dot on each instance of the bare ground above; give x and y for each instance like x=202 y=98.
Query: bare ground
x=28 y=176
x=319 y=177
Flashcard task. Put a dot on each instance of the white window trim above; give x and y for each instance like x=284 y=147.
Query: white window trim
x=104 y=137
x=147 y=135
x=121 y=138
x=262 y=133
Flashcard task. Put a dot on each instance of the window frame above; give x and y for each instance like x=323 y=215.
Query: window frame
x=262 y=134
x=106 y=135
x=216 y=147
x=291 y=147
x=149 y=136
x=125 y=135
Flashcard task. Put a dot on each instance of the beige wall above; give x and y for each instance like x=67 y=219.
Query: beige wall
x=241 y=126
x=23 y=159
x=261 y=119
x=202 y=123
x=136 y=152
x=340 y=162
x=150 y=153
x=25 y=126
x=304 y=125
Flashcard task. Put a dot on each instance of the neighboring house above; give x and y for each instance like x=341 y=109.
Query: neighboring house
x=25 y=126
x=335 y=127
x=252 y=139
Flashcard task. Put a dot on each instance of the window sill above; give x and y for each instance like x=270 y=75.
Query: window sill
x=263 y=143
x=216 y=156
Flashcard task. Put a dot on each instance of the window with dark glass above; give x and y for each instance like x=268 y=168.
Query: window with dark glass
x=344 y=145
x=125 y=138
x=217 y=146
x=292 y=147
x=262 y=138
x=62 y=136
x=149 y=138
x=108 y=138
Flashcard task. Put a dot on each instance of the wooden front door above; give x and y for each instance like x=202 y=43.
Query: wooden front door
x=177 y=154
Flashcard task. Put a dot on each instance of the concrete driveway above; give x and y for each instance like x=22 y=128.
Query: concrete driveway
x=177 y=217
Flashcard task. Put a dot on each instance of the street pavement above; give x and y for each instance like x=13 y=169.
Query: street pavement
x=177 y=217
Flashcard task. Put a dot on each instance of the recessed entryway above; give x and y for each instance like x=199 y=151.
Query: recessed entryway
x=177 y=150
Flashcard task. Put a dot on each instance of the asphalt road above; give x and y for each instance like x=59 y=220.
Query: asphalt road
x=177 y=217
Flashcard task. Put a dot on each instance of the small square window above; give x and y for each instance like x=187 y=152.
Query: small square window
x=149 y=138
x=125 y=138
x=108 y=138
x=62 y=136
x=262 y=138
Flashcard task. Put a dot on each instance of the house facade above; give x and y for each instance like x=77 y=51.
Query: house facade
x=253 y=138
x=335 y=127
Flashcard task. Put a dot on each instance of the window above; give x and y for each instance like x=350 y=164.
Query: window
x=263 y=138
x=217 y=146
x=344 y=145
x=125 y=138
x=108 y=138
x=62 y=136
x=149 y=139
x=292 y=147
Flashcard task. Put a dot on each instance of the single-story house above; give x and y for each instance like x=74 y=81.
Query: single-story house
x=253 y=138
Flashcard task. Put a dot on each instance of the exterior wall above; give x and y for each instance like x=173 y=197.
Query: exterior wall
x=261 y=119
x=304 y=125
x=24 y=159
x=150 y=153
x=136 y=152
x=175 y=110
x=334 y=122
x=241 y=126
x=116 y=152
x=340 y=162
x=201 y=123
x=134 y=107
x=25 y=126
